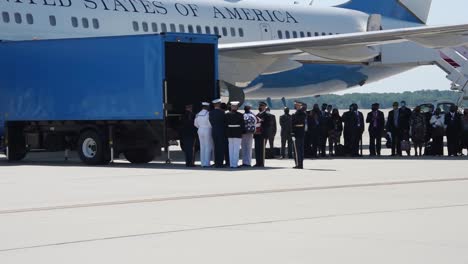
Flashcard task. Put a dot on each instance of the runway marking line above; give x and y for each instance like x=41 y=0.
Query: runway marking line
x=226 y=226
x=217 y=195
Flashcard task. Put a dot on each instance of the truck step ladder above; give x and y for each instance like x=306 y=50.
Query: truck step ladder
x=456 y=66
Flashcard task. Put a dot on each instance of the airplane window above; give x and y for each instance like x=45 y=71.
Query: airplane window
x=6 y=17
x=287 y=35
x=29 y=19
x=216 y=31
x=309 y=34
x=241 y=32
x=233 y=32
x=190 y=28
x=74 y=21
x=154 y=27
x=330 y=34
x=144 y=25
x=95 y=23
x=135 y=26
x=208 y=30
x=181 y=28
x=18 y=18
x=163 y=27
x=173 y=27
x=294 y=34
x=317 y=34
x=225 y=33
x=302 y=34
x=85 y=22
x=199 y=30
x=324 y=34
x=280 y=34
x=52 y=20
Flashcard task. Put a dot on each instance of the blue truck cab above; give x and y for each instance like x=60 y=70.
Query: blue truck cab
x=103 y=96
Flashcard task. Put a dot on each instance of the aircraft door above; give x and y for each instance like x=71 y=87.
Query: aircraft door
x=265 y=30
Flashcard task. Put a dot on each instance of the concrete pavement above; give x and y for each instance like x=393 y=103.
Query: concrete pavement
x=335 y=211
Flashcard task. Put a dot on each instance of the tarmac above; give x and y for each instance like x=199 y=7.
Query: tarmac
x=382 y=210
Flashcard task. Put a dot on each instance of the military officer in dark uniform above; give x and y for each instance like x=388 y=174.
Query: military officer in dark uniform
x=188 y=136
x=218 y=123
x=261 y=135
x=299 y=128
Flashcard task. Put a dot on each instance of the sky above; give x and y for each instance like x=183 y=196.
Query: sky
x=426 y=77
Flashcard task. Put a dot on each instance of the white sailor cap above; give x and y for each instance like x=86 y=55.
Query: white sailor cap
x=216 y=101
x=205 y=104
x=235 y=103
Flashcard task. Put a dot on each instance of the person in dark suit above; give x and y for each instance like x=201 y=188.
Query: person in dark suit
x=357 y=129
x=218 y=124
x=465 y=130
x=454 y=130
x=298 y=129
x=393 y=126
x=325 y=119
x=376 y=121
x=261 y=135
x=314 y=131
x=347 y=119
x=272 y=129
x=335 y=132
x=405 y=120
x=286 y=130
x=188 y=134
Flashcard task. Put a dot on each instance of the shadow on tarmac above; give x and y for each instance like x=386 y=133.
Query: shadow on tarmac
x=178 y=164
x=120 y=164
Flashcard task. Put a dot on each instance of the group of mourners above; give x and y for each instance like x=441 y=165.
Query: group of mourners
x=223 y=132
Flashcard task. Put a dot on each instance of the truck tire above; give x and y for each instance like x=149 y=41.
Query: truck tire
x=140 y=156
x=16 y=144
x=92 y=147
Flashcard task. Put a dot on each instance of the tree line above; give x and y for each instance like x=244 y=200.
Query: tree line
x=365 y=100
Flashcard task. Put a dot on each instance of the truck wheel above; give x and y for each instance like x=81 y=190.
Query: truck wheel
x=91 y=148
x=16 y=144
x=140 y=156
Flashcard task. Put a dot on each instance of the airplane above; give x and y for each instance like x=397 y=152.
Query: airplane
x=270 y=49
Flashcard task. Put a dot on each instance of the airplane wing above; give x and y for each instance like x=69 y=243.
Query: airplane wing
x=272 y=56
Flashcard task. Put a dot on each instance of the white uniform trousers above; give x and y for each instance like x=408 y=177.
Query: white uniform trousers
x=206 y=146
x=247 y=141
x=234 y=149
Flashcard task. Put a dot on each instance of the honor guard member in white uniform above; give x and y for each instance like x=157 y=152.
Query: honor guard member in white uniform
x=235 y=127
x=202 y=122
x=250 y=121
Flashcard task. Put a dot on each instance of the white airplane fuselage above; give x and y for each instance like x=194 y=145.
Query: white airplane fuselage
x=243 y=21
